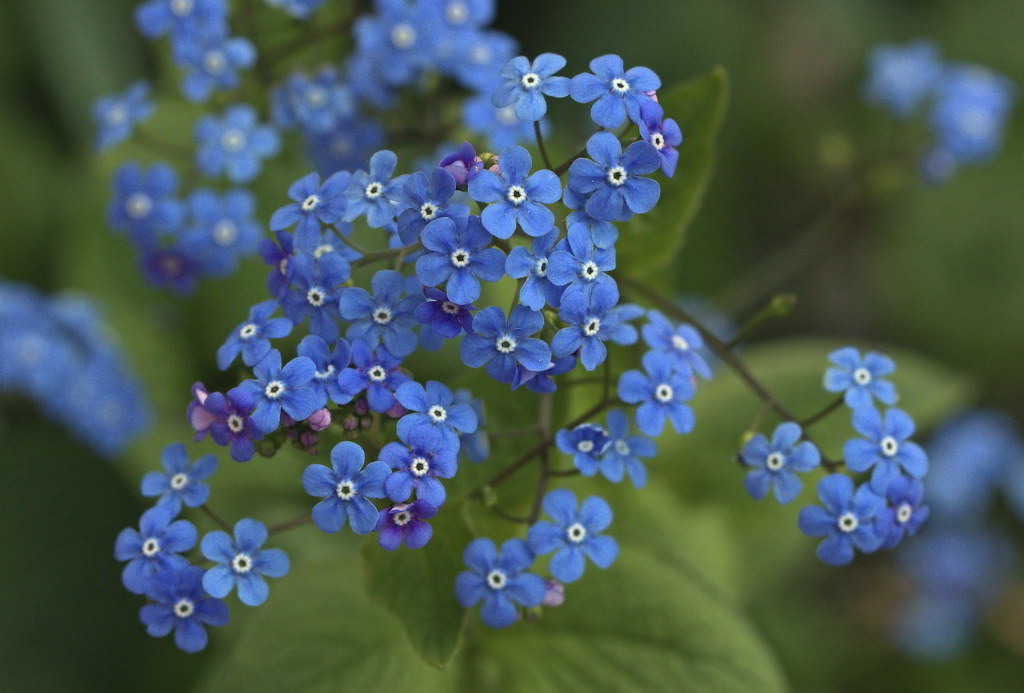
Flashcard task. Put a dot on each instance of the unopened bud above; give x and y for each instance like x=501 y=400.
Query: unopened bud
x=320 y=419
x=360 y=407
x=350 y=422
x=397 y=411
x=554 y=593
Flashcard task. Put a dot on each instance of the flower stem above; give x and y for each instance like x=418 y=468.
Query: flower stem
x=297 y=521
x=831 y=407
x=386 y=254
x=540 y=144
x=215 y=517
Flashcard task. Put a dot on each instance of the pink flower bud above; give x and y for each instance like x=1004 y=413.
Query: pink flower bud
x=366 y=421
x=350 y=423
x=653 y=95
x=308 y=439
x=286 y=420
x=320 y=419
x=397 y=411
x=554 y=595
x=361 y=408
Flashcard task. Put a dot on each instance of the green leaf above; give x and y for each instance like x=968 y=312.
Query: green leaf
x=699 y=106
x=418 y=586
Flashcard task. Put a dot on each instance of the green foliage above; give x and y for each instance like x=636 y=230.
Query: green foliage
x=699 y=106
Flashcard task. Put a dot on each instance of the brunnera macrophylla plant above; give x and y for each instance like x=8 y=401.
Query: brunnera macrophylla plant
x=373 y=258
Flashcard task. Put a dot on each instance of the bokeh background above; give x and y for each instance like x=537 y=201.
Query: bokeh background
x=932 y=272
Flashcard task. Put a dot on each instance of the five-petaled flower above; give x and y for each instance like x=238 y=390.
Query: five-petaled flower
x=243 y=562
x=618 y=92
x=885 y=447
x=860 y=379
x=851 y=518
x=499 y=345
x=661 y=393
x=515 y=196
x=575 y=534
x=276 y=389
x=613 y=180
x=499 y=580
x=524 y=85
x=776 y=462
x=181 y=481
x=346 y=488
x=153 y=547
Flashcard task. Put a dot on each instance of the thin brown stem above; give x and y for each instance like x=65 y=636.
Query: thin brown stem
x=297 y=521
x=831 y=407
x=386 y=254
x=540 y=144
x=220 y=522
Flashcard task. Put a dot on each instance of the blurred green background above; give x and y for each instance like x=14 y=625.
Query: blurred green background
x=934 y=274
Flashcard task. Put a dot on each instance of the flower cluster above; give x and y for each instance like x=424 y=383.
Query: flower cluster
x=59 y=353
x=969 y=104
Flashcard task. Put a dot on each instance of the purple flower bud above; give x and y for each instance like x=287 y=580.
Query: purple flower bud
x=286 y=420
x=653 y=95
x=199 y=418
x=397 y=411
x=308 y=440
x=360 y=407
x=554 y=594
x=320 y=419
x=350 y=423
x=366 y=421
x=463 y=164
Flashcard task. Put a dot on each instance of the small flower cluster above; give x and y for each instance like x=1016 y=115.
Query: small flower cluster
x=59 y=353
x=970 y=105
x=963 y=566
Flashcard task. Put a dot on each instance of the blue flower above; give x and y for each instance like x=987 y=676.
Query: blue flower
x=776 y=463
x=329 y=365
x=543 y=381
x=662 y=133
x=446 y=318
x=434 y=406
x=619 y=92
x=586 y=443
x=590 y=322
x=612 y=179
x=175 y=267
x=603 y=233
x=860 y=379
x=418 y=462
x=850 y=519
x=347 y=146
x=405 y=523
x=179 y=603
x=153 y=547
x=971 y=112
x=314 y=204
x=524 y=85
x=679 y=343
x=426 y=198
x=243 y=562
x=314 y=292
x=580 y=265
x=901 y=77
x=346 y=488
x=181 y=481
x=231 y=422
x=462 y=164
x=317 y=105
x=906 y=514
x=574 y=534
x=475 y=58
x=374 y=193
x=499 y=580
x=384 y=317
x=276 y=388
x=499 y=344
x=300 y=9
x=466 y=14
x=500 y=125
x=278 y=257
x=252 y=337
x=660 y=393
x=234 y=144
x=117 y=115
x=533 y=265
x=399 y=39
x=223 y=229
x=459 y=257
x=155 y=18
x=624 y=451
x=375 y=372
x=887 y=447
x=212 y=61
x=516 y=195
x=475 y=446
x=144 y=203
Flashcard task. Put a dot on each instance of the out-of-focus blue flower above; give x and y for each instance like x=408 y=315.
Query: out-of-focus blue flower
x=117 y=115
x=515 y=196
x=499 y=580
x=300 y=9
x=144 y=203
x=971 y=111
x=398 y=39
x=317 y=104
x=885 y=447
x=212 y=61
x=680 y=343
x=500 y=126
x=900 y=78
x=474 y=58
x=476 y=445
x=776 y=462
x=181 y=481
x=234 y=144
x=575 y=534
x=617 y=92
x=346 y=488
x=613 y=180
x=850 y=518
x=223 y=229
x=860 y=379
x=524 y=85
x=155 y=18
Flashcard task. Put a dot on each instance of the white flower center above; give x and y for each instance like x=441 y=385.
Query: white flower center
x=680 y=343
x=315 y=296
x=179 y=480
x=663 y=393
x=506 y=344
x=516 y=194
x=322 y=250
x=903 y=513
x=456 y=12
x=589 y=270
x=428 y=210
x=310 y=203
x=592 y=327
x=138 y=205
x=377 y=374
x=374 y=190
x=437 y=413
x=183 y=608
x=274 y=389
x=214 y=61
x=382 y=315
x=235 y=423
x=541 y=267
x=403 y=36
x=282 y=266
x=507 y=116
x=862 y=376
x=585 y=446
x=345 y=489
x=117 y=114
x=622 y=447
x=576 y=533
x=977 y=123
x=620 y=85
x=402 y=518
x=248 y=331
x=150 y=547
x=481 y=54
x=449 y=308
x=848 y=522
x=530 y=80
x=419 y=466
x=225 y=232
x=241 y=563
x=658 y=140
x=617 y=176
x=325 y=374
x=316 y=96
x=889 y=446
x=180 y=8
x=460 y=257
x=774 y=461
x=233 y=140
